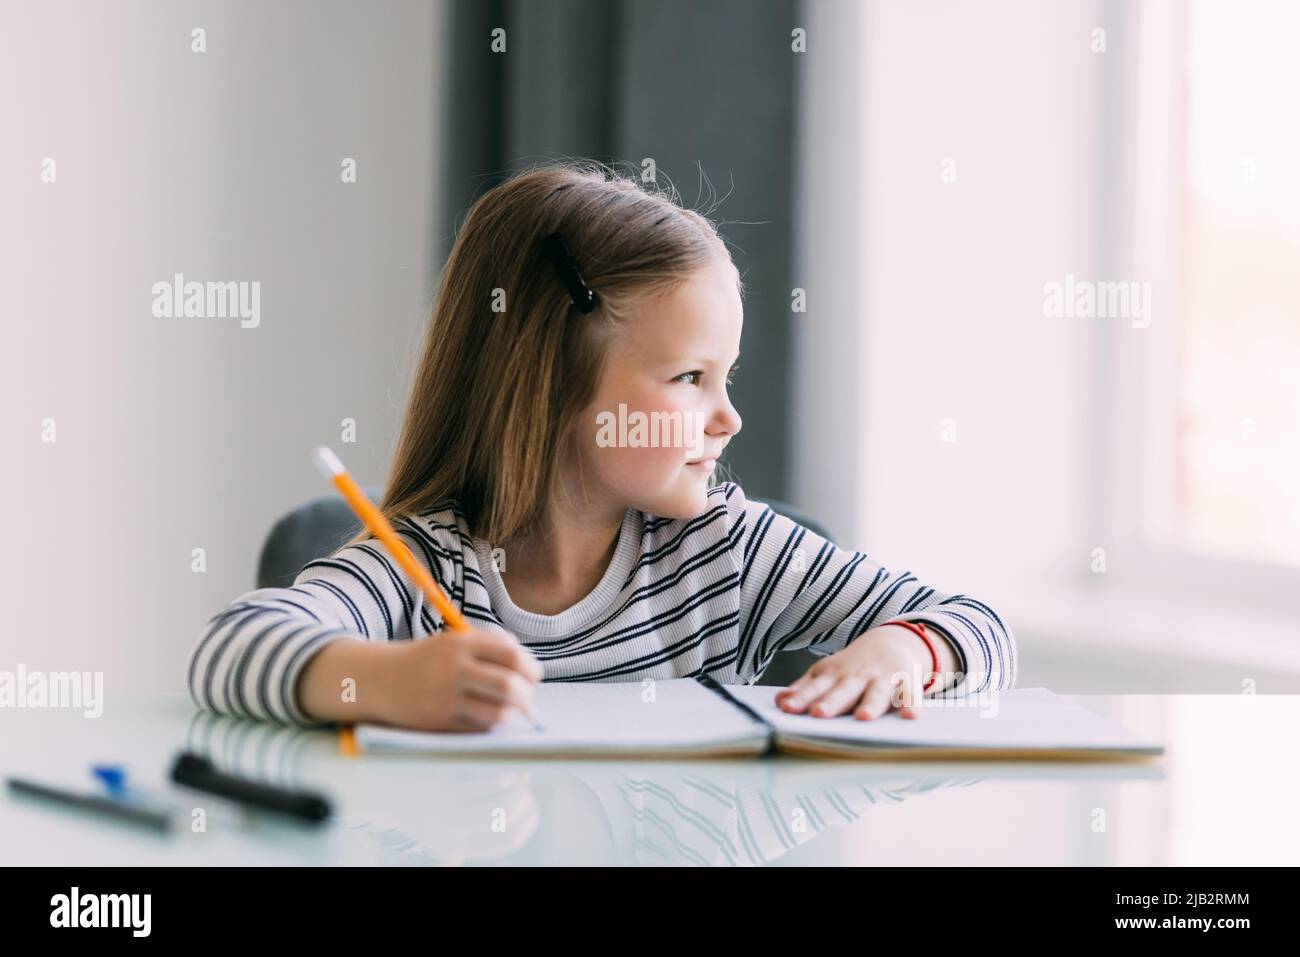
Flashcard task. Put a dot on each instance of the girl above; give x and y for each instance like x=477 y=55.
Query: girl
x=577 y=312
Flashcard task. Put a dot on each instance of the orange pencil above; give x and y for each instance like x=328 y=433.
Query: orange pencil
x=333 y=469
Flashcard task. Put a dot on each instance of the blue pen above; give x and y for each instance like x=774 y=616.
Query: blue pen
x=113 y=776
x=114 y=779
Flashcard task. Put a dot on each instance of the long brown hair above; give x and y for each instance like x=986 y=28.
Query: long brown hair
x=495 y=392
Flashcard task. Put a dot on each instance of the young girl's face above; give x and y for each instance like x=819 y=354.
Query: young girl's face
x=661 y=416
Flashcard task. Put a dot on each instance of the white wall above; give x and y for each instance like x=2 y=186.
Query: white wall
x=953 y=326
x=175 y=434
x=926 y=295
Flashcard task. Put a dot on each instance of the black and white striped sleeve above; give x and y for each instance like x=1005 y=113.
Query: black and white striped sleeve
x=798 y=590
x=249 y=656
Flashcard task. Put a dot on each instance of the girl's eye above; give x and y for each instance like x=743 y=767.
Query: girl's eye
x=731 y=376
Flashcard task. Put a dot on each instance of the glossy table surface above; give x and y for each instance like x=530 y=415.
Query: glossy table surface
x=1223 y=794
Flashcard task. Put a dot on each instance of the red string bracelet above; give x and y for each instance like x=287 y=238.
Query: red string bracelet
x=919 y=629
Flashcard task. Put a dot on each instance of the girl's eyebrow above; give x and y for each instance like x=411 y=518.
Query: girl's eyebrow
x=709 y=362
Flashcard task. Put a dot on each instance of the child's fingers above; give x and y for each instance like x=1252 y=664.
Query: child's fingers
x=799 y=684
x=876 y=700
x=909 y=697
x=504 y=649
x=810 y=691
x=795 y=685
x=475 y=715
x=839 y=699
x=496 y=684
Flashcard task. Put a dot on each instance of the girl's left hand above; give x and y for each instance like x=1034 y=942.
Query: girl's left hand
x=883 y=668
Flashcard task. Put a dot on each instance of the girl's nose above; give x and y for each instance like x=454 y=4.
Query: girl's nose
x=727 y=419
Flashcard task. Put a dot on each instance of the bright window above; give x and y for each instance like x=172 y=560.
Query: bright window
x=1236 y=443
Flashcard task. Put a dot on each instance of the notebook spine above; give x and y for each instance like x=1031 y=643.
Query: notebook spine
x=717 y=689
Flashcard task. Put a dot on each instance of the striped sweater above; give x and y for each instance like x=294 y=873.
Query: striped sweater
x=717 y=594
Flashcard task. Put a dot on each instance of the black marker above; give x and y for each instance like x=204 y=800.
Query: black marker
x=194 y=771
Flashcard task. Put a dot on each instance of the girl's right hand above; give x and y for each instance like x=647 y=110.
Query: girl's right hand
x=458 y=681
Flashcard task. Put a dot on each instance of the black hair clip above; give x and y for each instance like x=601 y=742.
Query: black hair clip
x=567 y=269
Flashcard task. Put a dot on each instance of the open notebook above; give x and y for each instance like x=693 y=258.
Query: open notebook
x=697 y=717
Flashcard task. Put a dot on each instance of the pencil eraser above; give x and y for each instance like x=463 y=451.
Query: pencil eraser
x=327 y=462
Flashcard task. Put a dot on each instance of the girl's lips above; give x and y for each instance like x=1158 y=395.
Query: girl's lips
x=703 y=463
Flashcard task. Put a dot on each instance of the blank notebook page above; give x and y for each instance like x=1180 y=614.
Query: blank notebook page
x=1021 y=718
x=593 y=715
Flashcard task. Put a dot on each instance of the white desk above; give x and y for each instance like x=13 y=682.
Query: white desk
x=1222 y=795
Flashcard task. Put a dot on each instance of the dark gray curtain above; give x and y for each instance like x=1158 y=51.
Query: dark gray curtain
x=695 y=84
